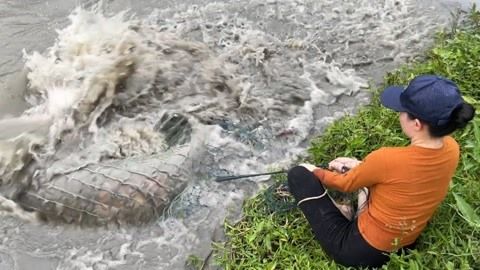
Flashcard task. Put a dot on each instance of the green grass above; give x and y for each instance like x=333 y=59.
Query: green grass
x=271 y=240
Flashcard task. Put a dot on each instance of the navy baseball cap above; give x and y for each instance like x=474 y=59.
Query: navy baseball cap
x=429 y=98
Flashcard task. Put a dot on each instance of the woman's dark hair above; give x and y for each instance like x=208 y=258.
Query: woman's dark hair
x=459 y=119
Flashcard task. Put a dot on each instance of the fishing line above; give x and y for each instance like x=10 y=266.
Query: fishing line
x=234 y=177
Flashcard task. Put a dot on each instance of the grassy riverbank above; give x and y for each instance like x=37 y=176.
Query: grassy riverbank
x=269 y=239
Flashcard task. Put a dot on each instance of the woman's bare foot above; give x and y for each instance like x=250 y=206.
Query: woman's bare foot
x=362 y=200
x=345 y=209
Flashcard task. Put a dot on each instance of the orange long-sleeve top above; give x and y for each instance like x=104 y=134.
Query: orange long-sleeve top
x=406 y=185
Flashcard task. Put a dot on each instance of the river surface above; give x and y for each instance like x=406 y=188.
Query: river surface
x=296 y=65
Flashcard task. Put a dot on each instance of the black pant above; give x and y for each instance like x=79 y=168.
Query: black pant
x=338 y=236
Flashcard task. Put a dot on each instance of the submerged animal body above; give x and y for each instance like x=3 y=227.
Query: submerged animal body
x=129 y=191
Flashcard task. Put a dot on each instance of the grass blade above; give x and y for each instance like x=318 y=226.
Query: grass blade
x=467 y=211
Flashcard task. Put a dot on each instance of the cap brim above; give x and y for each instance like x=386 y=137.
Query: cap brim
x=390 y=98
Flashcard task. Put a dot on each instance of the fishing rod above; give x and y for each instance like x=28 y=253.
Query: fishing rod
x=234 y=177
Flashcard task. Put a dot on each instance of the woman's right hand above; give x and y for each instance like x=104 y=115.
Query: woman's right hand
x=339 y=164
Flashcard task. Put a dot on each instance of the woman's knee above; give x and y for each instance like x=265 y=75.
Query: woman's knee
x=298 y=172
x=296 y=175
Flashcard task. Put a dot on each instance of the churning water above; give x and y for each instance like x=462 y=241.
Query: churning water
x=255 y=79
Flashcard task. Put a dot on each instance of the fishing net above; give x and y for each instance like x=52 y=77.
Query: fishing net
x=277 y=198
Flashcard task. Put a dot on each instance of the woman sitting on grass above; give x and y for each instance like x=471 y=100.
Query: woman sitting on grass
x=405 y=184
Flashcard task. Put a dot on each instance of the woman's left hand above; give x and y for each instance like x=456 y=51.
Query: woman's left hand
x=343 y=164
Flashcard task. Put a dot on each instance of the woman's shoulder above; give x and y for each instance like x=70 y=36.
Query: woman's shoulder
x=449 y=140
x=451 y=144
x=386 y=152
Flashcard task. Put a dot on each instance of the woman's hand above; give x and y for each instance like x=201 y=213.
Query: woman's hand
x=342 y=163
